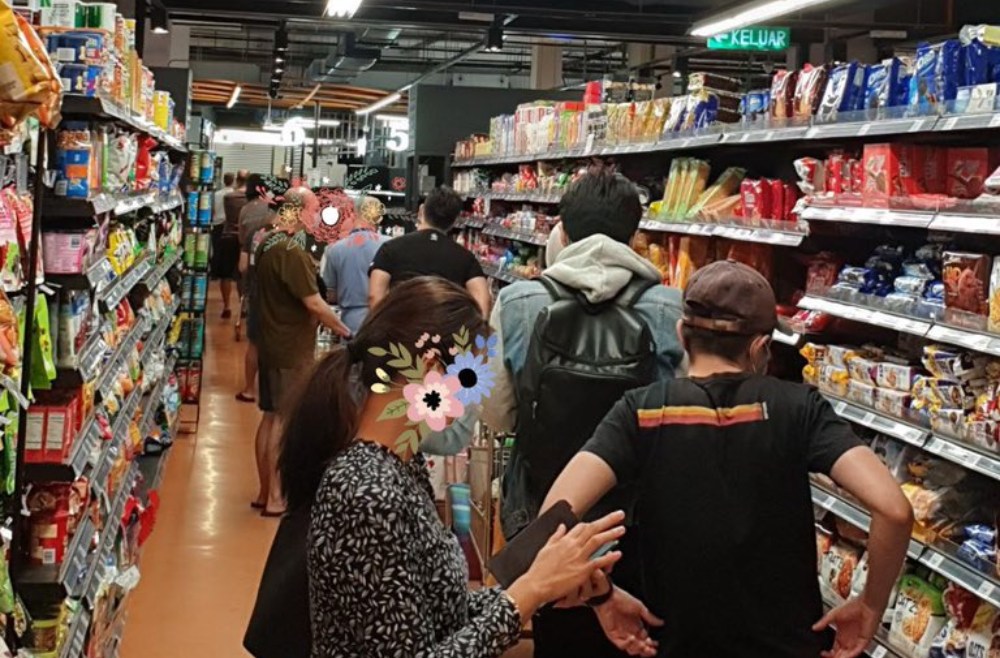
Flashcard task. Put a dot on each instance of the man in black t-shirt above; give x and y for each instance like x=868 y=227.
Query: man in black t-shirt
x=721 y=460
x=429 y=251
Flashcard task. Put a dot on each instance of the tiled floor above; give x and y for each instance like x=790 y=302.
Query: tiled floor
x=201 y=567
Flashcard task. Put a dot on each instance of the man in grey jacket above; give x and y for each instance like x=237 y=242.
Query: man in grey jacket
x=600 y=215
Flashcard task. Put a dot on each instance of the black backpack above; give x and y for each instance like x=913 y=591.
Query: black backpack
x=582 y=358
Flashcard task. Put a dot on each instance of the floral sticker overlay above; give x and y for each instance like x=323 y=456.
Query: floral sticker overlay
x=430 y=398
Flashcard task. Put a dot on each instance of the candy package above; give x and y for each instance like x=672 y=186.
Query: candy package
x=967 y=169
x=994 y=301
x=837 y=569
x=809 y=90
x=843 y=89
x=966 y=280
x=783 y=94
x=919 y=616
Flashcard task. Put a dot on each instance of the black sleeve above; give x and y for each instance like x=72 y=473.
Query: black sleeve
x=829 y=436
x=384 y=259
x=616 y=440
x=474 y=269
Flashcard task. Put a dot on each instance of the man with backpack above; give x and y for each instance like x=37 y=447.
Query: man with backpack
x=721 y=459
x=596 y=325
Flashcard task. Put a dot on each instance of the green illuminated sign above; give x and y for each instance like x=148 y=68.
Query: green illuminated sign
x=761 y=39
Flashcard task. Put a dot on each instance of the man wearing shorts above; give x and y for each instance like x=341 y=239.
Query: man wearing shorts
x=290 y=307
x=225 y=244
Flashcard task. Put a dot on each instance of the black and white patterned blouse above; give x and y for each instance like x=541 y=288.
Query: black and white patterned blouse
x=386 y=578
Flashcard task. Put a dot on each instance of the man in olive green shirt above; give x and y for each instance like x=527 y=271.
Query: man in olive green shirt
x=290 y=307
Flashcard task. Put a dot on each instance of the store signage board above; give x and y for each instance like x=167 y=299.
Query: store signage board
x=759 y=39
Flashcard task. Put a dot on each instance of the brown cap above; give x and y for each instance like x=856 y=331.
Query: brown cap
x=730 y=297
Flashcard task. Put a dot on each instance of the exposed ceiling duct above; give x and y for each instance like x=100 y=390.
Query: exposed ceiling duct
x=351 y=59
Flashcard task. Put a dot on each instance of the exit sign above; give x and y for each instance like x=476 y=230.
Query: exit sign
x=768 y=39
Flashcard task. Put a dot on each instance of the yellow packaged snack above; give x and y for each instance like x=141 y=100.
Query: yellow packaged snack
x=813 y=353
x=30 y=84
x=694 y=183
x=725 y=186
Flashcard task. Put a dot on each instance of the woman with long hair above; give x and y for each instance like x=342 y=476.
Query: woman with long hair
x=386 y=578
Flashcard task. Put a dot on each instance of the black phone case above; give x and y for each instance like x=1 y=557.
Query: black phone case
x=516 y=557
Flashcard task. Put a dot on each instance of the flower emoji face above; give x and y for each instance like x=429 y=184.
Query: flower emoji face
x=475 y=376
x=434 y=400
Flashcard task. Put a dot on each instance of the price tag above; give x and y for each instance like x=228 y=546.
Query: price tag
x=812 y=132
x=935 y=560
x=827 y=502
x=589 y=147
x=744 y=138
x=986 y=589
x=951 y=123
x=916 y=126
x=863 y=130
x=879 y=652
x=995 y=121
x=769 y=135
x=868 y=418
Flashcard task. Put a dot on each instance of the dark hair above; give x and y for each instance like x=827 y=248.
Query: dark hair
x=254 y=184
x=731 y=347
x=325 y=415
x=442 y=207
x=228 y=179
x=601 y=202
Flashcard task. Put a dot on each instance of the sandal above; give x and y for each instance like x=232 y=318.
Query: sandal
x=245 y=398
x=256 y=505
x=226 y=314
x=268 y=514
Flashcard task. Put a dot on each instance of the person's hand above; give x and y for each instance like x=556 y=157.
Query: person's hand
x=341 y=329
x=625 y=621
x=564 y=565
x=856 y=623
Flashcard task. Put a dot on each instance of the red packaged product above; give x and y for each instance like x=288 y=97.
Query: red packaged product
x=756 y=198
x=935 y=169
x=821 y=273
x=50 y=522
x=967 y=169
x=777 y=199
x=835 y=178
x=791 y=197
x=809 y=90
x=881 y=173
x=857 y=175
x=810 y=172
x=783 y=94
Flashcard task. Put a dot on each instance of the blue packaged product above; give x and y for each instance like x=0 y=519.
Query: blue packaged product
x=937 y=75
x=981 y=533
x=205 y=204
x=757 y=103
x=976 y=69
x=875 y=79
x=192 y=208
x=949 y=68
x=79 y=78
x=843 y=87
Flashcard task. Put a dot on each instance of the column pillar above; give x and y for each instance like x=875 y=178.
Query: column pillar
x=546 y=67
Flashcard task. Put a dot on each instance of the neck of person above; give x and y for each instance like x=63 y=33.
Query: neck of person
x=709 y=365
x=384 y=432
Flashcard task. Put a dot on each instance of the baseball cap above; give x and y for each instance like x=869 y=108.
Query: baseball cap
x=730 y=297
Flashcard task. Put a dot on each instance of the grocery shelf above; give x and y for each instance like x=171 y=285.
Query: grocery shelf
x=953 y=449
x=537 y=239
x=878 y=216
x=106 y=544
x=738 y=135
x=84 y=445
x=157 y=273
x=473 y=222
x=882 y=423
x=494 y=272
x=114 y=364
x=527 y=197
x=117 y=291
x=950 y=221
x=94 y=107
x=978 y=341
x=731 y=231
x=984 y=585
x=76 y=639
x=866 y=315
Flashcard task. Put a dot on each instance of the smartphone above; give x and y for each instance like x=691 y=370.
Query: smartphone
x=604 y=550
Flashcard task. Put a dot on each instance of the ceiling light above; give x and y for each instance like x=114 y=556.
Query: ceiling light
x=392 y=118
x=379 y=104
x=677 y=74
x=288 y=137
x=279 y=69
x=237 y=90
x=753 y=13
x=158 y=19
x=279 y=59
x=494 y=38
x=281 y=41
x=342 y=8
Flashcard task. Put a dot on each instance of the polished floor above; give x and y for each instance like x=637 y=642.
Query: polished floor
x=201 y=567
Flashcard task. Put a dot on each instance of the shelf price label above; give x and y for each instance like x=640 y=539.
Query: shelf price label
x=878 y=651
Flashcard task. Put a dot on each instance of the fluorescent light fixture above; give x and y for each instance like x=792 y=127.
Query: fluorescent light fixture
x=494 y=38
x=677 y=74
x=392 y=118
x=753 y=13
x=300 y=122
x=288 y=137
x=158 y=19
x=237 y=90
x=379 y=104
x=279 y=59
x=342 y=8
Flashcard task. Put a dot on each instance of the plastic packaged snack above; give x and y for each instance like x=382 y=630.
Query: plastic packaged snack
x=843 y=88
x=966 y=280
x=863 y=394
x=862 y=370
x=756 y=198
x=814 y=353
x=809 y=90
x=783 y=94
x=838 y=355
x=837 y=569
x=994 y=301
x=919 y=616
x=31 y=85
x=892 y=402
x=833 y=380
x=896 y=377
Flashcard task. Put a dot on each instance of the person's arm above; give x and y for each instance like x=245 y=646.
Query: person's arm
x=329 y=269
x=244 y=262
x=378 y=287
x=500 y=407
x=835 y=450
x=479 y=288
x=325 y=315
x=383 y=611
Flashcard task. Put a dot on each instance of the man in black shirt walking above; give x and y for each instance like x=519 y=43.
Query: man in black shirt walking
x=430 y=251
x=721 y=460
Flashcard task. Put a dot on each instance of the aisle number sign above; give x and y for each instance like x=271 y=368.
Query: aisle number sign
x=761 y=39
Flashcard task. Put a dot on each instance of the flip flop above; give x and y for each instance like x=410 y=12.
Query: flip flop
x=245 y=398
x=268 y=514
x=256 y=505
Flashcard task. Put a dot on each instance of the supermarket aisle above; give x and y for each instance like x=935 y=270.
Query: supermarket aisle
x=201 y=567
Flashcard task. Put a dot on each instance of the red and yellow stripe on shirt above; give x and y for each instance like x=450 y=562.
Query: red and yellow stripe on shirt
x=724 y=417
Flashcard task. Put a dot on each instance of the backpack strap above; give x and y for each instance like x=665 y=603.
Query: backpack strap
x=627 y=297
x=633 y=292
x=555 y=289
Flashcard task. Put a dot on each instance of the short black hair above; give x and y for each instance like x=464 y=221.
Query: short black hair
x=254 y=183
x=442 y=208
x=228 y=178
x=731 y=347
x=601 y=203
